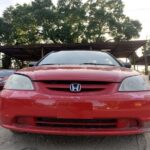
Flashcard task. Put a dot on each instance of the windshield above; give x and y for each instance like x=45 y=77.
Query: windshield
x=79 y=58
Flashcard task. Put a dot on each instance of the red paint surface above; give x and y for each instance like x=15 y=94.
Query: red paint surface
x=130 y=109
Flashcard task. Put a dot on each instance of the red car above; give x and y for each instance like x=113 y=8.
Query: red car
x=76 y=93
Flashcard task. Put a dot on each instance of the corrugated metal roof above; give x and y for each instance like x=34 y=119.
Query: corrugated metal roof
x=34 y=52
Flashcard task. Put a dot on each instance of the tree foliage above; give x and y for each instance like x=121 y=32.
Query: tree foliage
x=71 y=21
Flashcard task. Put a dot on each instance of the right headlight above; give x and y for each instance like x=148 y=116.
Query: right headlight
x=134 y=83
x=18 y=82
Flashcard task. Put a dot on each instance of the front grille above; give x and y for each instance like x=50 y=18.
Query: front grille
x=87 y=86
x=77 y=123
x=72 y=81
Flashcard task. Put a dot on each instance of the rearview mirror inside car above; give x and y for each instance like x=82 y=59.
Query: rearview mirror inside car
x=127 y=65
x=31 y=64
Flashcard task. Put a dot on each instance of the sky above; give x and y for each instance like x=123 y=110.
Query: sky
x=135 y=9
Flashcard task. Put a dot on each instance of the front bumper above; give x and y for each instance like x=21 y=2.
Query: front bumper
x=128 y=106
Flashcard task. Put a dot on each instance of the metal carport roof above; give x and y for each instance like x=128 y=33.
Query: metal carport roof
x=36 y=51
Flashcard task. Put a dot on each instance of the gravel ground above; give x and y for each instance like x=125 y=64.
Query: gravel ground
x=10 y=141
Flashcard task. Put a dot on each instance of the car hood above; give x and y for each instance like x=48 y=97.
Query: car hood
x=78 y=73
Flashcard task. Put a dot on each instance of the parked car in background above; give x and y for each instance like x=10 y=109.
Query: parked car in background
x=76 y=93
x=4 y=74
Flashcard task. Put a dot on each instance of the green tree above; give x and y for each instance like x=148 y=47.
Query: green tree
x=23 y=26
x=71 y=21
x=45 y=14
x=71 y=16
x=106 y=20
x=5 y=32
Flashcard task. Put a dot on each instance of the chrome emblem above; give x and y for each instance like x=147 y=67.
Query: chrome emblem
x=75 y=87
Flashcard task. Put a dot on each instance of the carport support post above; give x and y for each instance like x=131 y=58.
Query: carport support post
x=137 y=68
x=146 y=62
x=42 y=52
x=134 y=61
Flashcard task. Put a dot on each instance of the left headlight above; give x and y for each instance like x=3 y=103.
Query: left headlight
x=134 y=83
x=18 y=82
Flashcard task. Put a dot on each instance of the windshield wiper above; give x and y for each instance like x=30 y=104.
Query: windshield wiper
x=81 y=64
x=48 y=64
x=97 y=64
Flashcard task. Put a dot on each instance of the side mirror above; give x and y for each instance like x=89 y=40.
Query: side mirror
x=31 y=64
x=127 y=65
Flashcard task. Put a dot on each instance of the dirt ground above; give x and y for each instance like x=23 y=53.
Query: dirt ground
x=10 y=141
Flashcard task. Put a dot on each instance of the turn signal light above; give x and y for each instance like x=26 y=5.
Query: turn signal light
x=127 y=123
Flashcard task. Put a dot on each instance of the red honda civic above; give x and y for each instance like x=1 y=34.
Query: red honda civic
x=76 y=93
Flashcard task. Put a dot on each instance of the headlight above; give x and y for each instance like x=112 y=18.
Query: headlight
x=134 y=83
x=18 y=82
